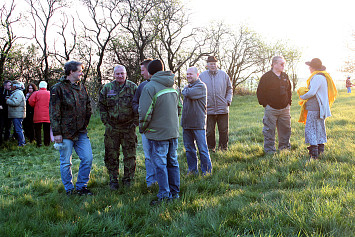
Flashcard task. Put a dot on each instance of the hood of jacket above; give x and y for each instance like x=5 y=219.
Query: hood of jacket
x=165 y=78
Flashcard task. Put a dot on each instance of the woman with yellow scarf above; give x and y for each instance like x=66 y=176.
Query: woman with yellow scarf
x=316 y=101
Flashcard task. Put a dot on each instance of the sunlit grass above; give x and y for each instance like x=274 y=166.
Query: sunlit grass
x=248 y=193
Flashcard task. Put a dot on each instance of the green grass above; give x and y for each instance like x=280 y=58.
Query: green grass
x=248 y=194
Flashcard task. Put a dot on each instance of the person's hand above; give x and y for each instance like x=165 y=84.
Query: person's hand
x=58 y=139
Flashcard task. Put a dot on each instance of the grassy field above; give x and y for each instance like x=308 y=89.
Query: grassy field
x=248 y=193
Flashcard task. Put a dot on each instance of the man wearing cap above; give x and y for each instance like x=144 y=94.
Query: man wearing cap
x=159 y=107
x=5 y=122
x=193 y=122
x=17 y=110
x=319 y=97
x=117 y=114
x=149 y=164
x=219 y=98
x=274 y=94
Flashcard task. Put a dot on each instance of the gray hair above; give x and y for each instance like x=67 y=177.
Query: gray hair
x=119 y=66
x=194 y=69
x=275 y=59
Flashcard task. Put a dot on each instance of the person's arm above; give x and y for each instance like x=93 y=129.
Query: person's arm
x=33 y=99
x=55 y=113
x=135 y=101
x=260 y=92
x=229 y=91
x=195 y=92
x=15 y=99
x=103 y=105
x=88 y=108
x=289 y=90
x=145 y=109
x=314 y=84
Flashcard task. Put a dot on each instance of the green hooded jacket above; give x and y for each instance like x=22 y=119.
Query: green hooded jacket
x=159 y=107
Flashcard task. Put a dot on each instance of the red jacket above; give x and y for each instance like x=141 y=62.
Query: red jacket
x=40 y=101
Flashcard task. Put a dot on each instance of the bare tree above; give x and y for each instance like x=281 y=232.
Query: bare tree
x=67 y=46
x=41 y=13
x=7 y=37
x=105 y=19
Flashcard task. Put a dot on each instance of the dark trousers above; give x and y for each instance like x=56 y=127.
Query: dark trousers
x=222 y=121
x=46 y=131
x=28 y=128
x=5 y=124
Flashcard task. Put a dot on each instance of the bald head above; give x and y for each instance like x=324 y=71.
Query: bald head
x=191 y=74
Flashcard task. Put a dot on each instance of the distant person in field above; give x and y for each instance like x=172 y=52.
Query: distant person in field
x=5 y=122
x=70 y=112
x=17 y=110
x=193 y=122
x=219 y=98
x=317 y=98
x=274 y=94
x=348 y=84
x=40 y=102
x=120 y=122
x=149 y=164
x=159 y=107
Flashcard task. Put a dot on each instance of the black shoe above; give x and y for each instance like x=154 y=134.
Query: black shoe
x=157 y=202
x=84 y=191
x=70 y=192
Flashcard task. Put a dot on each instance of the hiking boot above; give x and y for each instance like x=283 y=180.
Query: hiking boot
x=313 y=152
x=84 y=191
x=320 y=149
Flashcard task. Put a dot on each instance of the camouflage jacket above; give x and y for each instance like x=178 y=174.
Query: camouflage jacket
x=69 y=108
x=115 y=104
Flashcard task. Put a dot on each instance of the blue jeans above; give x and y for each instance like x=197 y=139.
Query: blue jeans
x=349 y=89
x=149 y=164
x=82 y=147
x=164 y=155
x=18 y=130
x=198 y=135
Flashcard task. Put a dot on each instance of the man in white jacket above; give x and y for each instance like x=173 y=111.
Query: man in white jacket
x=219 y=98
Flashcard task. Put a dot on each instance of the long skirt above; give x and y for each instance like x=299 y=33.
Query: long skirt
x=314 y=131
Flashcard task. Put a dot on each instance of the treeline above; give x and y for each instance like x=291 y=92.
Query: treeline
x=101 y=33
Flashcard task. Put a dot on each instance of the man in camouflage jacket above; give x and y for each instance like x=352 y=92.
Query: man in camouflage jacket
x=70 y=112
x=120 y=120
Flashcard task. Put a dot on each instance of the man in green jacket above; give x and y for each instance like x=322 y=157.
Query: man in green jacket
x=159 y=107
x=120 y=120
x=70 y=112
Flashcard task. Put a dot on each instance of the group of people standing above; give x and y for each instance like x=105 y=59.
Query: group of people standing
x=274 y=94
x=154 y=106
x=28 y=110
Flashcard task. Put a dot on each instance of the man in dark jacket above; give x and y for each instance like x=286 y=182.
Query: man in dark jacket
x=120 y=120
x=5 y=122
x=274 y=93
x=70 y=113
x=193 y=121
x=159 y=107
x=149 y=164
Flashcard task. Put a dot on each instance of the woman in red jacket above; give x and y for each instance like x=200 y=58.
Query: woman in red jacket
x=40 y=101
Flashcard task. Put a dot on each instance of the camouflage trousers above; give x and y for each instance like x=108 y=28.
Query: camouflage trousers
x=114 y=139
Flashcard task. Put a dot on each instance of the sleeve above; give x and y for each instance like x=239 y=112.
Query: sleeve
x=88 y=108
x=195 y=92
x=289 y=91
x=314 y=85
x=55 y=110
x=135 y=101
x=229 y=92
x=145 y=108
x=260 y=92
x=33 y=98
x=103 y=105
x=179 y=107
x=14 y=100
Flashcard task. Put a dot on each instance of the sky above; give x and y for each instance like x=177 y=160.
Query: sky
x=321 y=29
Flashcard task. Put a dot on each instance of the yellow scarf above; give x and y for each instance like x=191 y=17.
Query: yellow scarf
x=332 y=93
